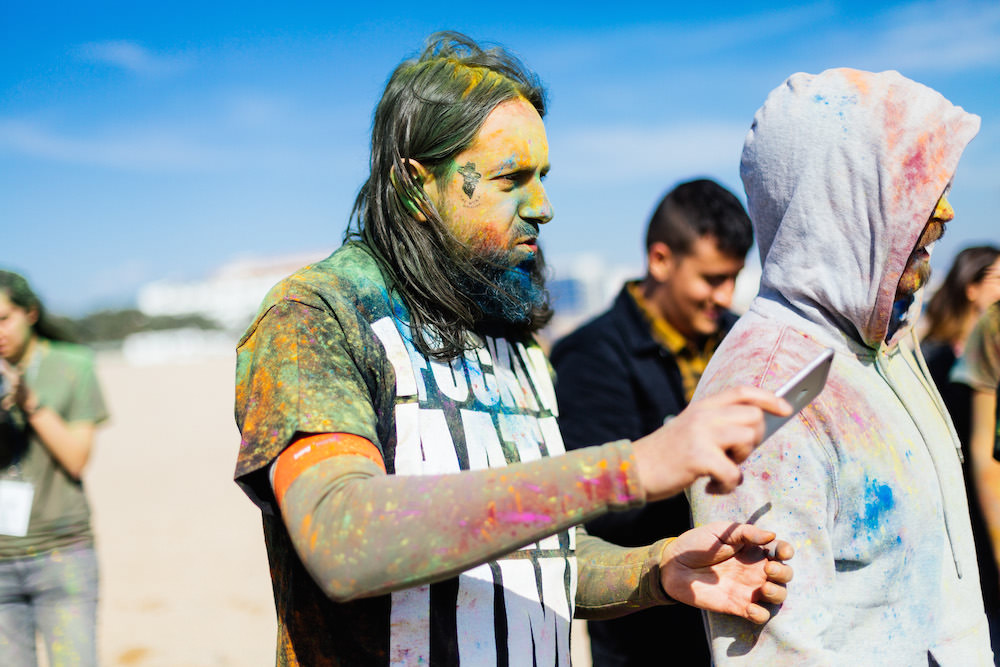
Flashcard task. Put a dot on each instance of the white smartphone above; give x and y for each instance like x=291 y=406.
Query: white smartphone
x=800 y=390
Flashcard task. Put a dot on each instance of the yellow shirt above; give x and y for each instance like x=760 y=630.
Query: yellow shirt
x=691 y=355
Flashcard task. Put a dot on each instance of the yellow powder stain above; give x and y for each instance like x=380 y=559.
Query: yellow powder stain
x=133 y=656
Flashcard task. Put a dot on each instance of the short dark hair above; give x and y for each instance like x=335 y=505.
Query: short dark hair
x=432 y=109
x=701 y=208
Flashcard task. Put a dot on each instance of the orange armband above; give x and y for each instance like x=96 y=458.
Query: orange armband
x=310 y=450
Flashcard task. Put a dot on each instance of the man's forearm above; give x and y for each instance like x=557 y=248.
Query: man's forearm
x=360 y=532
x=615 y=581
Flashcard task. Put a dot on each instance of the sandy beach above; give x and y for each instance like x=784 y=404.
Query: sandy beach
x=184 y=580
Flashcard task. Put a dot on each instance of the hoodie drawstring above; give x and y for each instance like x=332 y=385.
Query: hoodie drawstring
x=924 y=376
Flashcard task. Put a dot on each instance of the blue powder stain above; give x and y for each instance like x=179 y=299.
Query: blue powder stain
x=878 y=501
x=820 y=98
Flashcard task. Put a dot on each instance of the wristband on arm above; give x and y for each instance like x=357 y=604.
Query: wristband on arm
x=310 y=450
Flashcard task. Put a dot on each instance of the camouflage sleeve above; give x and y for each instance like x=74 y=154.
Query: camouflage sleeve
x=615 y=581
x=361 y=532
x=303 y=369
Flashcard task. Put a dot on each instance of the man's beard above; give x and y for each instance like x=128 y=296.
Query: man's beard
x=505 y=293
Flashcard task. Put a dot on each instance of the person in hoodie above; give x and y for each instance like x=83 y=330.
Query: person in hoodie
x=846 y=174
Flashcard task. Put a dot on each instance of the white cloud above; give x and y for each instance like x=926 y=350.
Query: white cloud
x=939 y=36
x=662 y=153
x=151 y=149
x=131 y=57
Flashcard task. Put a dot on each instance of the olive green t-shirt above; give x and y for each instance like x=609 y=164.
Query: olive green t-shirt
x=64 y=379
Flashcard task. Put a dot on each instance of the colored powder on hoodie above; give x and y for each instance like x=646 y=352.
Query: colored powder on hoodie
x=842 y=172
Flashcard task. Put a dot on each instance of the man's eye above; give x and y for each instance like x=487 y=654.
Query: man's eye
x=716 y=281
x=512 y=179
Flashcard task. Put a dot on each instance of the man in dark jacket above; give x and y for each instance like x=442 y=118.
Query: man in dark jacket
x=624 y=373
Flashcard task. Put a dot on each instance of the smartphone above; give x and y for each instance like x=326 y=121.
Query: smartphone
x=800 y=390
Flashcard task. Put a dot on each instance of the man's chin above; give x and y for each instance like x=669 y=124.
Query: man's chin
x=916 y=275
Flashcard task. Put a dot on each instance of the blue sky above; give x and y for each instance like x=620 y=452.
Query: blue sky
x=145 y=141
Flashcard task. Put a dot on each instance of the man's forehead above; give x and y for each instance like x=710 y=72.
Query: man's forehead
x=512 y=132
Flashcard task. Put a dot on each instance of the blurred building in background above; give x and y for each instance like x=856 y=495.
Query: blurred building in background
x=581 y=287
x=229 y=297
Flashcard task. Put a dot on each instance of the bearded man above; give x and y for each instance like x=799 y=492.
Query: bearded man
x=846 y=174
x=400 y=427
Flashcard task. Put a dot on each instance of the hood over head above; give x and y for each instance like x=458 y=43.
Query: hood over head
x=842 y=171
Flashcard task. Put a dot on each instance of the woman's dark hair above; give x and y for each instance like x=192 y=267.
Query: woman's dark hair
x=431 y=110
x=948 y=308
x=17 y=289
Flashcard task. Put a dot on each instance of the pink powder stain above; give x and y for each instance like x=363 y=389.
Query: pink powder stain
x=523 y=517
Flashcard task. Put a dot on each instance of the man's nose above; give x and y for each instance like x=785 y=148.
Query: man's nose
x=536 y=206
x=722 y=295
x=943 y=211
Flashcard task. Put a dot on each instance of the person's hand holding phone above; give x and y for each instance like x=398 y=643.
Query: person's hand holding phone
x=710 y=437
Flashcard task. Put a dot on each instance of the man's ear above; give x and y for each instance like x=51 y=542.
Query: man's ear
x=413 y=196
x=659 y=261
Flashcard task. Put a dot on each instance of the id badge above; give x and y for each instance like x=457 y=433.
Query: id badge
x=15 y=506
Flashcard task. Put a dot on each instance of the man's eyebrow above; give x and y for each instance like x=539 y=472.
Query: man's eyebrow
x=508 y=163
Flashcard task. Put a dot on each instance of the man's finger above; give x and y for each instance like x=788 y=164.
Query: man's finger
x=725 y=474
x=756 y=614
x=778 y=572
x=743 y=441
x=750 y=395
x=782 y=550
x=773 y=593
x=747 y=533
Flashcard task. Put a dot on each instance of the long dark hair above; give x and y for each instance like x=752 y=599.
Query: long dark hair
x=431 y=110
x=17 y=289
x=948 y=308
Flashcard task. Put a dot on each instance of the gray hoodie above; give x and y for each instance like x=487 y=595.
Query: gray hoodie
x=842 y=172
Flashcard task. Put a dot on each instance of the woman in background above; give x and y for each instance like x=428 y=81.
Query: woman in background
x=979 y=369
x=50 y=408
x=972 y=284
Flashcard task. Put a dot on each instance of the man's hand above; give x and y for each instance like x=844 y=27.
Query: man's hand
x=710 y=437
x=727 y=568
